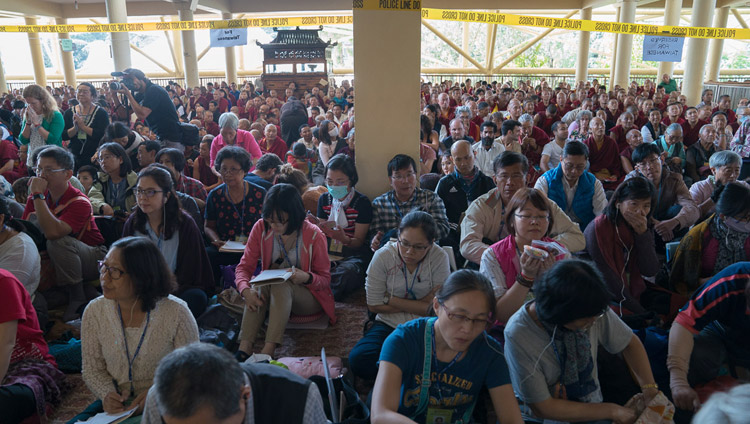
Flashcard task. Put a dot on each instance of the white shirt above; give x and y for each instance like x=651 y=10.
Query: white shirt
x=483 y=158
x=554 y=151
x=599 y=201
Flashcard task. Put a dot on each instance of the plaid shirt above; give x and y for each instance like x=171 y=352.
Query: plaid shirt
x=191 y=187
x=388 y=211
x=741 y=141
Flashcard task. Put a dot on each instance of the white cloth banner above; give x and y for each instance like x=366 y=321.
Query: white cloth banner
x=228 y=37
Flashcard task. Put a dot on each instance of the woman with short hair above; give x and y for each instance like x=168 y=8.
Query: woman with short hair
x=283 y=239
x=432 y=369
x=126 y=331
x=84 y=125
x=231 y=135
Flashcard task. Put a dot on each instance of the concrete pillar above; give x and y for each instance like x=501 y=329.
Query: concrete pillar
x=624 y=45
x=465 y=44
x=612 y=66
x=37 y=59
x=69 y=69
x=3 y=83
x=672 y=9
x=584 y=38
x=716 y=45
x=697 y=51
x=117 y=13
x=177 y=46
x=190 y=57
x=229 y=57
x=396 y=35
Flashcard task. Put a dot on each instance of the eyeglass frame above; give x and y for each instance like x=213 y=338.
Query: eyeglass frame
x=412 y=247
x=103 y=267
x=41 y=171
x=463 y=319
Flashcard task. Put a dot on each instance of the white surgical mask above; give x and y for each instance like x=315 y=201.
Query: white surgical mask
x=334 y=132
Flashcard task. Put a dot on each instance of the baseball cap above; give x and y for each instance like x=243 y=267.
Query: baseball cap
x=137 y=73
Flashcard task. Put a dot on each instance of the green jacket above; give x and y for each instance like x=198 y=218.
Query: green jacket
x=669 y=86
x=55 y=128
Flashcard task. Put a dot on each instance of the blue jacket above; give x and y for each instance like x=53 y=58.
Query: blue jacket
x=582 y=202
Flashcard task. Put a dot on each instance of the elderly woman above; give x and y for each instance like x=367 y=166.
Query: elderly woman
x=231 y=135
x=698 y=155
x=135 y=323
x=42 y=123
x=84 y=125
x=725 y=168
x=721 y=240
x=581 y=133
x=283 y=239
x=231 y=208
x=113 y=192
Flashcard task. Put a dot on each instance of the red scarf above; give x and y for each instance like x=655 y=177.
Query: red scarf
x=606 y=235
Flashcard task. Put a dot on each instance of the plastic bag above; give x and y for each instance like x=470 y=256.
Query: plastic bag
x=659 y=411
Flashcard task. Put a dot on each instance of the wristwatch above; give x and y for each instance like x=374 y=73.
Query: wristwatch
x=38 y=196
x=386 y=298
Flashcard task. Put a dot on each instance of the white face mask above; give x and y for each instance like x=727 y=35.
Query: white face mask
x=334 y=132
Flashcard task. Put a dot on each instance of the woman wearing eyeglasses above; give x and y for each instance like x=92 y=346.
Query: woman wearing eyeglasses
x=114 y=190
x=453 y=352
x=283 y=239
x=128 y=330
x=231 y=208
x=401 y=282
x=507 y=264
x=160 y=218
x=551 y=346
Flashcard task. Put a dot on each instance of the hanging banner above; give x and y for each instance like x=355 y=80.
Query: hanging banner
x=663 y=49
x=228 y=37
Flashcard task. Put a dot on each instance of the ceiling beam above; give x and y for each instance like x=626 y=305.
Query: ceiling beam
x=32 y=8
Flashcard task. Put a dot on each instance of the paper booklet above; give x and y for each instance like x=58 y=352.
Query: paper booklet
x=232 y=246
x=272 y=276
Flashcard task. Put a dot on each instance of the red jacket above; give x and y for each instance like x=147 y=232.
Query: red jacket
x=313 y=258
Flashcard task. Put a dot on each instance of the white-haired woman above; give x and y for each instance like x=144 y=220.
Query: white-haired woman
x=231 y=135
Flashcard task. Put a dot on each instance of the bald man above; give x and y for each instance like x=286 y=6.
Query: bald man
x=464 y=185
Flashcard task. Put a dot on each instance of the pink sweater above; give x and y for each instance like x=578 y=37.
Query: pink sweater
x=243 y=139
x=313 y=259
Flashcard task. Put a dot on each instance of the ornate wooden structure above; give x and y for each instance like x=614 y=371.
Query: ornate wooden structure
x=295 y=55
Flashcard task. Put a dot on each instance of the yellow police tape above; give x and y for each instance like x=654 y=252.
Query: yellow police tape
x=399 y=5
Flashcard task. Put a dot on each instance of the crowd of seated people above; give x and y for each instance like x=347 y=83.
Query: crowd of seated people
x=581 y=207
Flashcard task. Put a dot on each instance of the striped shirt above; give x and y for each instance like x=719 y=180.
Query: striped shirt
x=721 y=299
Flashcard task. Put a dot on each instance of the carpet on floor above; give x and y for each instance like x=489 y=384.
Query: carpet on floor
x=338 y=339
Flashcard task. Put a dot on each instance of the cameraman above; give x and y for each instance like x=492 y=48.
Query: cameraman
x=152 y=104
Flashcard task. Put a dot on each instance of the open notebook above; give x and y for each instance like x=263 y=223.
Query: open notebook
x=272 y=276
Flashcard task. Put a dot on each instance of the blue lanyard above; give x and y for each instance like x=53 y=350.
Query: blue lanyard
x=286 y=254
x=137 y=349
x=434 y=363
x=395 y=203
x=410 y=289
x=231 y=202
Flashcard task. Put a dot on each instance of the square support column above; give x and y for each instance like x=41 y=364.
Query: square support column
x=624 y=46
x=716 y=45
x=387 y=55
x=69 y=70
x=117 y=13
x=582 y=61
x=672 y=9
x=697 y=51
x=37 y=59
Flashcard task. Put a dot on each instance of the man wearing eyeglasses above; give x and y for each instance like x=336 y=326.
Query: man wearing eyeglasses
x=675 y=209
x=484 y=222
x=575 y=190
x=66 y=218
